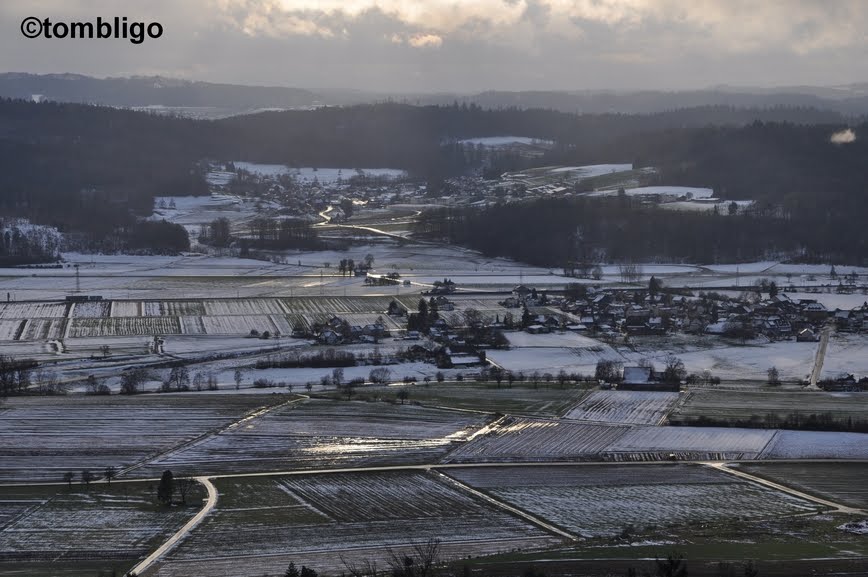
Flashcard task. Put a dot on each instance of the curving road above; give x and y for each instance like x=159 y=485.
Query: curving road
x=210 y=503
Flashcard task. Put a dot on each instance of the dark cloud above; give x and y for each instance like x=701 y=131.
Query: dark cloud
x=443 y=45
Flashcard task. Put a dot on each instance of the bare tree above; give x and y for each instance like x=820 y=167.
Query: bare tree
x=338 y=376
x=86 y=477
x=238 y=376
x=380 y=375
x=109 y=474
x=68 y=477
x=421 y=561
x=184 y=485
x=403 y=394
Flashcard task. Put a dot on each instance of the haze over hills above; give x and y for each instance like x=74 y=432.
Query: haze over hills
x=153 y=91
x=834 y=104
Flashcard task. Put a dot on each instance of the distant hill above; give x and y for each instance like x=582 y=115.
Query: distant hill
x=850 y=101
x=729 y=105
x=154 y=91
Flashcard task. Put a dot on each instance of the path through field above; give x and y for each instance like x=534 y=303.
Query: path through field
x=210 y=503
x=821 y=355
x=839 y=508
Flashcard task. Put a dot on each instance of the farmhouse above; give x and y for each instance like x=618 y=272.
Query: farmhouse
x=644 y=379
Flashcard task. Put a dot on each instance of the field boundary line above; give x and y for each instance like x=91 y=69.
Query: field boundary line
x=768 y=446
x=839 y=508
x=506 y=507
x=210 y=503
x=208 y=434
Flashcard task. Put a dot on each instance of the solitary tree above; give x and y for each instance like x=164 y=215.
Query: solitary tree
x=338 y=376
x=109 y=474
x=86 y=477
x=68 y=477
x=403 y=394
x=166 y=488
x=774 y=376
x=291 y=571
x=239 y=376
x=674 y=371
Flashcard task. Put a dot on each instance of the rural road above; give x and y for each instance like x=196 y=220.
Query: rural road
x=839 y=508
x=210 y=503
x=821 y=356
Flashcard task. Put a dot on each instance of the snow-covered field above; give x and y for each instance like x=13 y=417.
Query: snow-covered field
x=319 y=520
x=840 y=482
x=499 y=141
x=119 y=524
x=817 y=445
x=604 y=500
x=846 y=354
x=731 y=443
x=734 y=405
x=43 y=438
x=519 y=439
x=793 y=360
x=637 y=407
x=552 y=353
x=326 y=434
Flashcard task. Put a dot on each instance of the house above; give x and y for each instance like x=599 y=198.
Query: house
x=328 y=337
x=644 y=379
x=537 y=329
x=815 y=312
x=807 y=336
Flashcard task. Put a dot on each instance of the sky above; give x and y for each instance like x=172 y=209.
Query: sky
x=414 y=46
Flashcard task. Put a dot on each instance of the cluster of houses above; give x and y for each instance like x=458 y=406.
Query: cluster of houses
x=337 y=331
x=610 y=312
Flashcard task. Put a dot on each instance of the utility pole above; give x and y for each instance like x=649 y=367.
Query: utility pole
x=77 y=280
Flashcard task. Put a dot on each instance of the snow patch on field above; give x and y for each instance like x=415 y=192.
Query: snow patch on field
x=818 y=445
x=500 y=141
x=636 y=407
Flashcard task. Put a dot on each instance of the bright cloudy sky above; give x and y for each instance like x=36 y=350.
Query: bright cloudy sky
x=456 y=45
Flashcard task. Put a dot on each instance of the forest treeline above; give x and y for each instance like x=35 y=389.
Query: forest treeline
x=95 y=170
x=564 y=232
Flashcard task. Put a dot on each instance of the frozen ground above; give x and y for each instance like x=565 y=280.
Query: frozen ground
x=604 y=500
x=326 y=434
x=793 y=360
x=636 y=407
x=43 y=438
x=847 y=354
x=318 y=520
x=817 y=445
x=499 y=141
x=117 y=524
x=553 y=352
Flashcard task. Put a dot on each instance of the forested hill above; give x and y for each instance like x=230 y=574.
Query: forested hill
x=87 y=168
x=150 y=91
